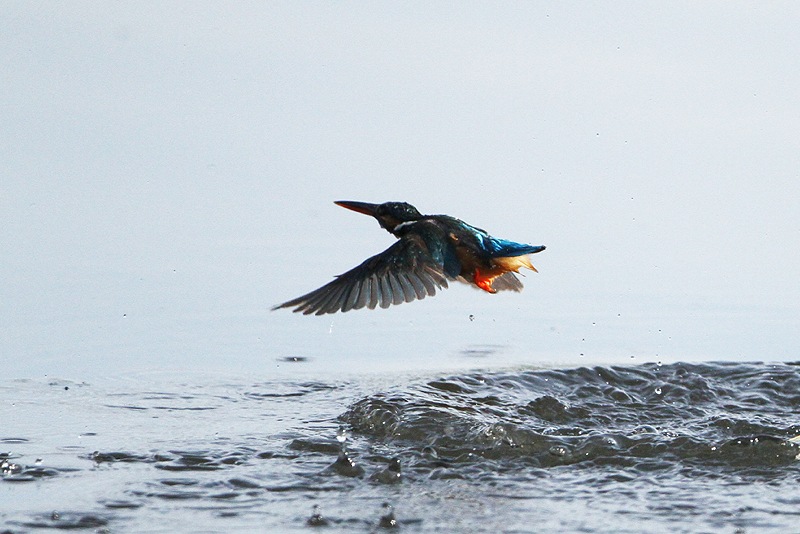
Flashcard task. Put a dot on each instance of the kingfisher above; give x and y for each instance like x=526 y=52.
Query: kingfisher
x=430 y=250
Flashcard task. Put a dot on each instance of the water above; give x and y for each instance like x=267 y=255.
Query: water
x=694 y=447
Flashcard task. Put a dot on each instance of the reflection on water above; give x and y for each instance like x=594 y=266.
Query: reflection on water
x=482 y=351
x=653 y=447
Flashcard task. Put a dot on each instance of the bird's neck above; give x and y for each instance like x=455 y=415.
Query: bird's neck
x=402 y=227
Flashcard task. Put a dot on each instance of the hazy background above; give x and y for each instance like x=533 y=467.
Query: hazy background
x=168 y=172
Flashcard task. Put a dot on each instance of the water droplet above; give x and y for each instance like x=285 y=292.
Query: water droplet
x=9 y=468
x=390 y=475
x=388 y=520
x=346 y=466
x=316 y=519
x=341 y=435
x=658 y=391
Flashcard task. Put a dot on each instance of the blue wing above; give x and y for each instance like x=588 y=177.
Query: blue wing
x=502 y=247
x=497 y=247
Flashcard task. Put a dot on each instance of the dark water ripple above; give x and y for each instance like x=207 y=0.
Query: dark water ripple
x=67 y=521
x=700 y=418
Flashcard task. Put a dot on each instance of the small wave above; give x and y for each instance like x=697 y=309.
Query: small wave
x=696 y=416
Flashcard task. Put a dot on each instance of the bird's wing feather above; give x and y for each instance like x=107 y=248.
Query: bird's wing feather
x=404 y=272
x=507 y=282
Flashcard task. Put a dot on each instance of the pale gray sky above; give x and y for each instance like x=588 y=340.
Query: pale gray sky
x=176 y=162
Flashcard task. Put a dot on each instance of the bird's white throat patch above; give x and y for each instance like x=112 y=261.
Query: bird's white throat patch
x=403 y=225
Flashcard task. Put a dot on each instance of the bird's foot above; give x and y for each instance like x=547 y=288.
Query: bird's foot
x=483 y=283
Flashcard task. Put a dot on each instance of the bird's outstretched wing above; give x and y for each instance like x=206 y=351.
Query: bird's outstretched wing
x=404 y=272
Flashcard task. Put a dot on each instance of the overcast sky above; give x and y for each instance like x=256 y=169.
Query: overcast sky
x=179 y=160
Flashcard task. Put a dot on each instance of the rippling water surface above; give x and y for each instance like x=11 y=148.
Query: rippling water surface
x=678 y=447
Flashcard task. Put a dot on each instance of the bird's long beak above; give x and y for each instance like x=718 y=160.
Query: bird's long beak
x=361 y=207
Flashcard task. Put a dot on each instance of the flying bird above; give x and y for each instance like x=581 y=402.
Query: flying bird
x=431 y=249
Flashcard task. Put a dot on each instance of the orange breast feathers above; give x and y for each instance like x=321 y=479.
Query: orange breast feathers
x=483 y=277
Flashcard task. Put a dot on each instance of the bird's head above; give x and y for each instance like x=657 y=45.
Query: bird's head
x=388 y=214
